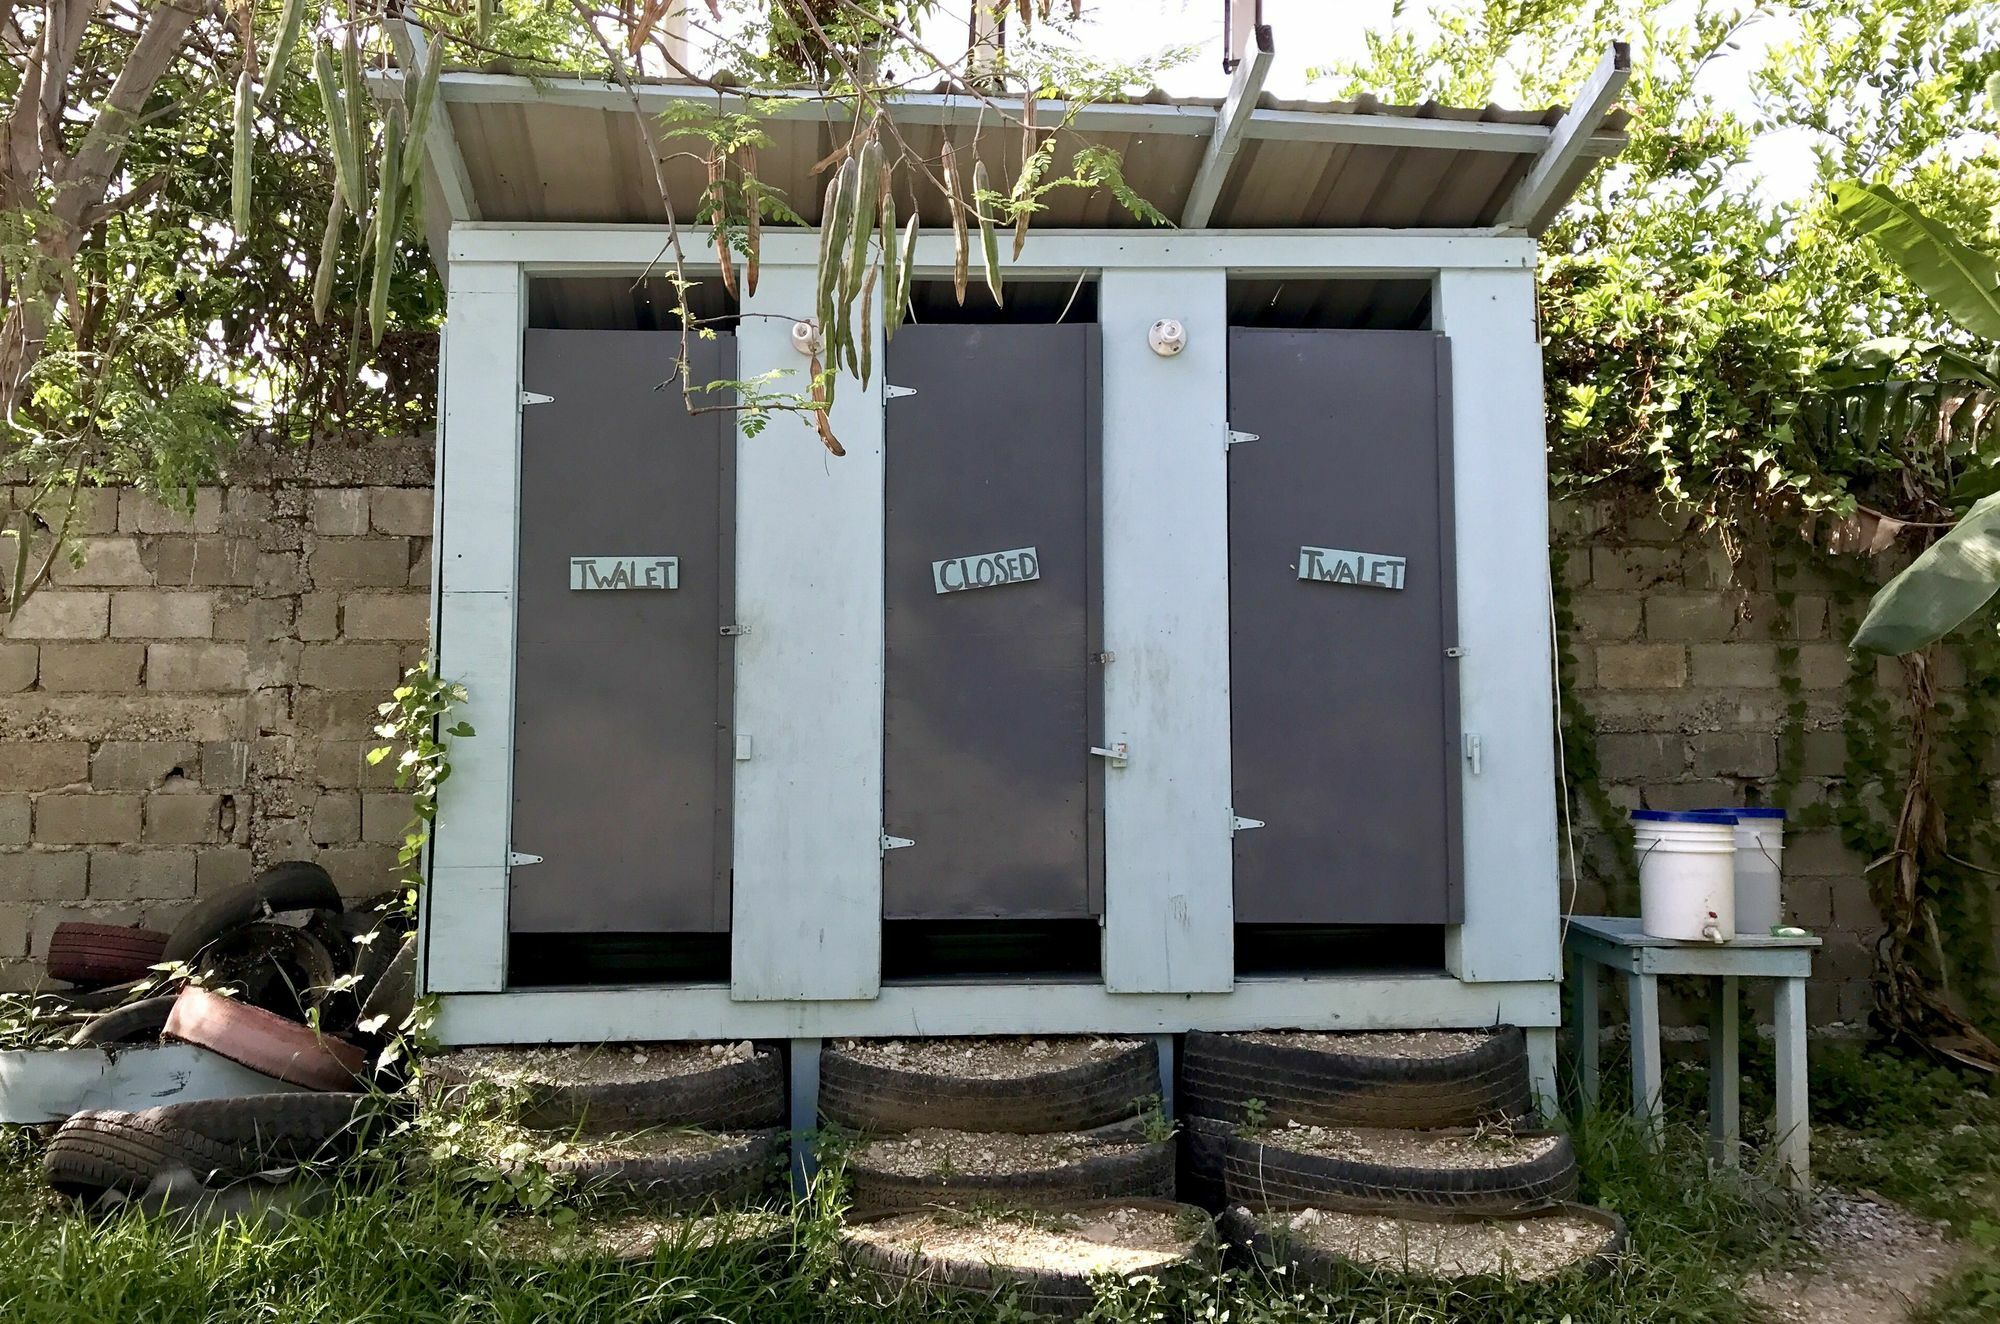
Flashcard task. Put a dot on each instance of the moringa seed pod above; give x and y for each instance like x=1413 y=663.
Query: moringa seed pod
x=960 y=247
x=346 y=152
x=329 y=257
x=239 y=164
x=989 y=242
x=420 y=116
x=867 y=174
x=281 y=53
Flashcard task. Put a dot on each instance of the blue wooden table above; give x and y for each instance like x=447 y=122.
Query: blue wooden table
x=1617 y=944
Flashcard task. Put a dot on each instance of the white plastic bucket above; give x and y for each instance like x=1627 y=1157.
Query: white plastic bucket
x=1760 y=854
x=1687 y=873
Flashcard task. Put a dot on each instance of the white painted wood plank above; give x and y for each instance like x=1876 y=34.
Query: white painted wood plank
x=1570 y=141
x=559 y=248
x=1168 y=889
x=38 y=1086
x=1500 y=489
x=1246 y=84
x=478 y=482
x=808 y=821
x=597 y=1015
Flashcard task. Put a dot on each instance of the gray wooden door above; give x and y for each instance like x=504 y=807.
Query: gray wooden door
x=992 y=695
x=1343 y=701
x=621 y=704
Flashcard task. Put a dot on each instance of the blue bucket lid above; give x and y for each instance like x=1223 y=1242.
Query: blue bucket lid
x=1721 y=817
x=1761 y=811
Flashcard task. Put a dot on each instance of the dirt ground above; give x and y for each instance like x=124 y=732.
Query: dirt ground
x=1875 y=1264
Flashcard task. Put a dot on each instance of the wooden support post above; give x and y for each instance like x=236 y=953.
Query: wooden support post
x=805 y=1113
x=1542 y=1071
x=1725 y=1120
x=1793 y=1122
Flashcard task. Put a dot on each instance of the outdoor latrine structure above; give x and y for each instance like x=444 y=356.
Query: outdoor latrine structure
x=1098 y=687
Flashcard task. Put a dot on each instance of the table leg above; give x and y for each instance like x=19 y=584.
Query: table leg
x=1583 y=980
x=1794 y=1126
x=1725 y=1114
x=1645 y=998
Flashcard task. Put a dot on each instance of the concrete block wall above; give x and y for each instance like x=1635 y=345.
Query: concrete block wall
x=195 y=698
x=1674 y=652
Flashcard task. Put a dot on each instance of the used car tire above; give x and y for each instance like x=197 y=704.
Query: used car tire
x=265 y=1042
x=1146 y=1172
x=1229 y=1077
x=385 y=933
x=217 y=1140
x=734 y=1096
x=394 y=994
x=867 y=1097
x=1247 y=1237
x=134 y=1023
x=737 y=1173
x=111 y=995
x=92 y=955
x=1061 y=1295
x=293 y=885
x=1264 y=1176
x=1204 y=1148
x=280 y=967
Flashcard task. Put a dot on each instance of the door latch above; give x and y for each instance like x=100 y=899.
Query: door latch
x=1117 y=756
x=734 y=631
x=1473 y=752
x=890 y=843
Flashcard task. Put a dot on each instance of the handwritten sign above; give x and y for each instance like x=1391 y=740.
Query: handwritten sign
x=986 y=570
x=624 y=572
x=1331 y=565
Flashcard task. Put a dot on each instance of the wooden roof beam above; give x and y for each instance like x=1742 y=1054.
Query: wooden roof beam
x=1245 y=86
x=447 y=165
x=1540 y=189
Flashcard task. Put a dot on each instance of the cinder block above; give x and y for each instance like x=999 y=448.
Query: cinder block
x=52 y=613
x=43 y=876
x=15 y=818
x=1808 y=901
x=337 y=763
x=156 y=615
x=1820 y=852
x=140 y=513
x=420 y=565
x=1735 y=754
x=1690 y=616
x=42 y=765
x=1707 y=793
x=1746 y=666
x=1607 y=615
x=146 y=875
x=187 y=819
x=398 y=616
x=1641 y=666
x=384 y=816
x=1824 y=666
x=142 y=765
x=318 y=617
x=338 y=714
x=221 y=869
x=106 y=561
x=94 y=668
x=13 y=933
x=375 y=668
x=1854 y=905
x=1641 y=756
x=217 y=667
x=71 y=818
x=18 y=665
x=225 y=764
x=360 y=870
x=339 y=512
x=336 y=818
x=404 y=510
x=96 y=511
x=360 y=563
x=211 y=561
x=1823 y=754
x=1634 y=567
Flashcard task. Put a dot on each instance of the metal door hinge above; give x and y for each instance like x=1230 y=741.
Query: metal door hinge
x=733 y=631
x=1238 y=438
x=1117 y=756
x=536 y=398
x=1456 y=650
x=1474 y=752
x=890 y=843
x=897 y=392
x=1238 y=823
x=516 y=858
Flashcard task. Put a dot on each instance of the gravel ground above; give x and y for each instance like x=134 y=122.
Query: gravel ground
x=596 y=1064
x=931 y=1153
x=630 y=1236
x=1420 y=1045
x=1108 y=1239
x=1875 y=1263
x=1524 y=1248
x=1496 y=1148
x=554 y=1146
x=987 y=1059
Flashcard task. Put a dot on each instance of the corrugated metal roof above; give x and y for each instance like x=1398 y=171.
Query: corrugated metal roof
x=562 y=149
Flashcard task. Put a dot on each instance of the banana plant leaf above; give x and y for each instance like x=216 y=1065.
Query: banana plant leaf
x=1940 y=590
x=1964 y=281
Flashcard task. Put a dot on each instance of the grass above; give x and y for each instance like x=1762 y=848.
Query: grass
x=420 y=1250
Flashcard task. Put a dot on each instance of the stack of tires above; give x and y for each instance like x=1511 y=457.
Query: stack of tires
x=1024 y=1167
x=1409 y=1152
x=657 y=1142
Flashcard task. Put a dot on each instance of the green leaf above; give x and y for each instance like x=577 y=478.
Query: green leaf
x=461 y=730
x=1954 y=578
x=1963 y=281
x=377 y=754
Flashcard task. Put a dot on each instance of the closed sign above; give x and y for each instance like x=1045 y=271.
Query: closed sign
x=624 y=572
x=1331 y=565
x=986 y=570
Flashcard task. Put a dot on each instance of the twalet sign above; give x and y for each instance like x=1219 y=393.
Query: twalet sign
x=617 y=572
x=986 y=570
x=1331 y=565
